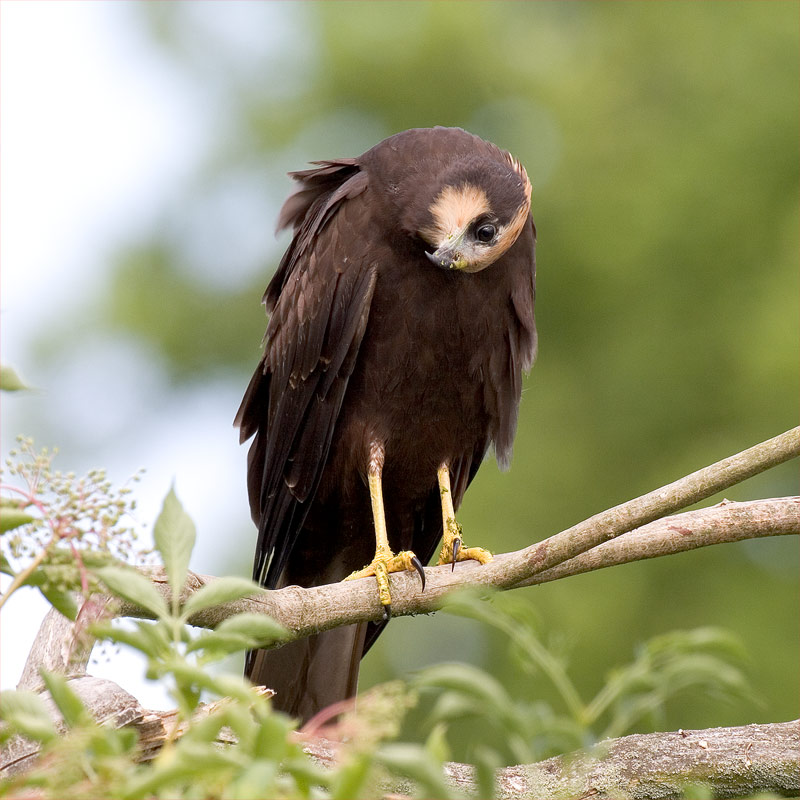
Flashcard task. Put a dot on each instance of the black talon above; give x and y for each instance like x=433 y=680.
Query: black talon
x=456 y=548
x=417 y=564
x=387 y=612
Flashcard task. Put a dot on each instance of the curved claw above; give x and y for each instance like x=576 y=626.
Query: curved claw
x=417 y=564
x=387 y=612
x=456 y=548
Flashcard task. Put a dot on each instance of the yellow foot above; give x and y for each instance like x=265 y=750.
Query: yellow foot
x=384 y=563
x=453 y=549
x=452 y=544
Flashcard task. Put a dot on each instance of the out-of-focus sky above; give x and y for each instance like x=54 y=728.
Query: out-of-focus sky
x=96 y=133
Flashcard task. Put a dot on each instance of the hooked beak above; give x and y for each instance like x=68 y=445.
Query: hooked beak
x=447 y=256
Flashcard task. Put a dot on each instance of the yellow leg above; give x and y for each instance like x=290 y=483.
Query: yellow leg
x=452 y=543
x=385 y=561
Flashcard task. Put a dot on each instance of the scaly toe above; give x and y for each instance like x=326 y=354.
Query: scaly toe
x=381 y=567
x=475 y=554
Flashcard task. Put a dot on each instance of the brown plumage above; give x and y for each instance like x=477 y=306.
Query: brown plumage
x=401 y=320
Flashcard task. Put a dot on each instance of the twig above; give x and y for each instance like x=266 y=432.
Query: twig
x=726 y=522
x=635 y=513
x=307 y=611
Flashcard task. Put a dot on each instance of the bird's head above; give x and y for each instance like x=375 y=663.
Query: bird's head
x=477 y=212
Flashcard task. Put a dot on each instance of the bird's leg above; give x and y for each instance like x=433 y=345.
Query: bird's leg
x=385 y=560
x=452 y=544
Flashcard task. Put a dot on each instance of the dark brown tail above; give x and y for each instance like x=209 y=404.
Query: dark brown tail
x=312 y=673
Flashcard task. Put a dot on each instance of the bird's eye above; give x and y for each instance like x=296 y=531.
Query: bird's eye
x=485 y=233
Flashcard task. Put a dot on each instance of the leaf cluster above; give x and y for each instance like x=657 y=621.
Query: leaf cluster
x=239 y=747
x=634 y=696
x=80 y=756
x=57 y=528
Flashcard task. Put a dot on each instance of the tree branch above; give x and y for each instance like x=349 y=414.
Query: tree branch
x=726 y=522
x=733 y=762
x=307 y=611
x=635 y=513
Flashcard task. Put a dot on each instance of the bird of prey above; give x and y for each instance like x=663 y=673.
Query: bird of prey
x=401 y=321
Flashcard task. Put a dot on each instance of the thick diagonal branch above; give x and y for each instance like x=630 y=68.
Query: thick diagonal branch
x=307 y=611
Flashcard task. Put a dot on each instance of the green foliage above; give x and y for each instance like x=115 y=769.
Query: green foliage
x=25 y=713
x=58 y=529
x=10 y=381
x=174 y=535
x=663 y=670
x=238 y=747
x=94 y=760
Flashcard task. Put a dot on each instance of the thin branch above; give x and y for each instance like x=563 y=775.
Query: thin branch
x=726 y=522
x=635 y=513
x=306 y=611
x=63 y=646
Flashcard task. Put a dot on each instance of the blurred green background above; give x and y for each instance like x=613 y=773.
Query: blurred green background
x=662 y=144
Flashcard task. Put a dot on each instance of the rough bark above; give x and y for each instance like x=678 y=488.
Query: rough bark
x=307 y=611
x=733 y=762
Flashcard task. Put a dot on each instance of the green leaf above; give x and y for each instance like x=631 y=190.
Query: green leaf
x=244 y=631
x=11 y=518
x=149 y=638
x=62 y=600
x=271 y=740
x=223 y=643
x=467 y=680
x=264 y=631
x=257 y=779
x=487 y=762
x=10 y=381
x=436 y=743
x=191 y=680
x=413 y=762
x=350 y=778
x=27 y=714
x=220 y=590
x=305 y=773
x=174 y=535
x=67 y=702
x=5 y=565
x=234 y=686
x=133 y=587
x=264 y=628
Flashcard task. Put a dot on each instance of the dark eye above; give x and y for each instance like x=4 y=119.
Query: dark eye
x=485 y=233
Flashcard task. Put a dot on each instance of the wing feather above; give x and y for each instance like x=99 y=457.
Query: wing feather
x=319 y=301
x=503 y=388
